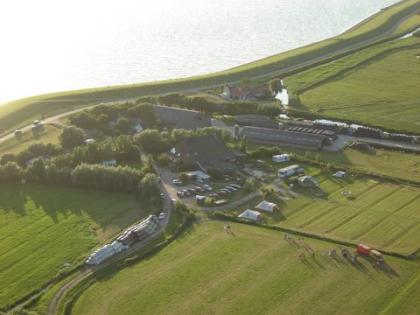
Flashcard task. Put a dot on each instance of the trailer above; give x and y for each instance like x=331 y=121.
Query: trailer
x=362 y=249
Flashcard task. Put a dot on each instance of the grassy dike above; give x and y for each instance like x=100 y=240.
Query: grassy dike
x=389 y=23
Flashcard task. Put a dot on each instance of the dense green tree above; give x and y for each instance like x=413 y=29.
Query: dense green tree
x=149 y=188
x=152 y=141
x=72 y=136
x=10 y=172
x=123 y=125
x=36 y=171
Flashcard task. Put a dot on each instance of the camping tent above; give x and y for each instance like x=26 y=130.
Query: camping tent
x=266 y=206
x=250 y=215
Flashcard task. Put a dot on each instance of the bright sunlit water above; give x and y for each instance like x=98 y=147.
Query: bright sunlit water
x=54 y=45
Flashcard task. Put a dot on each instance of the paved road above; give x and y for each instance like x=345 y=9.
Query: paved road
x=53 y=307
x=343 y=140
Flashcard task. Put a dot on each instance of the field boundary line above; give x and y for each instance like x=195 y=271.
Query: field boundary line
x=319 y=216
x=360 y=212
x=399 y=235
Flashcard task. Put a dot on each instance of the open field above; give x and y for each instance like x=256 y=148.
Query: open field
x=50 y=134
x=384 y=215
x=388 y=23
x=381 y=93
x=396 y=164
x=46 y=230
x=208 y=271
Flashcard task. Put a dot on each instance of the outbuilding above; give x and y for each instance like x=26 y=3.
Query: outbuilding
x=291 y=170
x=280 y=158
x=250 y=215
x=266 y=206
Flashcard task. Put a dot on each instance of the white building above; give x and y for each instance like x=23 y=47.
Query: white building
x=289 y=171
x=266 y=206
x=250 y=215
x=281 y=158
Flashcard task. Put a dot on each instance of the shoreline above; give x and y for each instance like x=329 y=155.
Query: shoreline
x=291 y=61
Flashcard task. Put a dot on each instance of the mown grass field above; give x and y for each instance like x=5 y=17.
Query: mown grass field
x=45 y=230
x=50 y=134
x=20 y=112
x=382 y=93
x=383 y=215
x=208 y=271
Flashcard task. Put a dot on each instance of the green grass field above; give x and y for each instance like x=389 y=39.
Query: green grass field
x=384 y=215
x=14 y=145
x=208 y=271
x=42 y=228
x=383 y=92
x=20 y=112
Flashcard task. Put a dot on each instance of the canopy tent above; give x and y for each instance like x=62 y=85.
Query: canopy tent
x=250 y=215
x=266 y=206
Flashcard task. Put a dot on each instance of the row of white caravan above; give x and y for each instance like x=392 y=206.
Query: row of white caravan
x=131 y=235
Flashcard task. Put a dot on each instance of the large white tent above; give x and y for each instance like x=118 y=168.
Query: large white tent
x=250 y=215
x=266 y=206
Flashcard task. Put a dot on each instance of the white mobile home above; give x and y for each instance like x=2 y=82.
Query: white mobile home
x=281 y=158
x=289 y=171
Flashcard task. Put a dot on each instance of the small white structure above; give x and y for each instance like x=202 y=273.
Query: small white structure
x=90 y=141
x=105 y=252
x=307 y=181
x=112 y=162
x=340 y=174
x=266 y=206
x=138 y=127
x=281 y=158
x=199 y=176
x=289 y=171
x=250 y=215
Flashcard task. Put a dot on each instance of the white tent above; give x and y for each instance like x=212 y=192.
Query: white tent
x=266 y=206
x=281 y=158
x=250 y=215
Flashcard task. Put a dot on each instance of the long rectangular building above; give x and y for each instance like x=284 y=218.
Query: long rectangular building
x=284 y=137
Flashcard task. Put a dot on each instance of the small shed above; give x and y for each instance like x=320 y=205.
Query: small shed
x=307 y=181
x=112 y=162
x=340 y=174
x=250 y=215
x=266 y=206
x=280 y=158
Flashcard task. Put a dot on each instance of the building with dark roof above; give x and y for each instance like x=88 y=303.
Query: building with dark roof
x=285 y=137
x=205 y=152
x=256 y=121
x=178 y=118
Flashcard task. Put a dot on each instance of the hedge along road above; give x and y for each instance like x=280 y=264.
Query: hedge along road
x=282 y=64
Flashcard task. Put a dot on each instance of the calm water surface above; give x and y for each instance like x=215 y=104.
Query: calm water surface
x=54 y=45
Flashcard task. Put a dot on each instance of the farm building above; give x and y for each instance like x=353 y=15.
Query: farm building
x=307 y=181
x=285 y=138
x=266 y=206
x=105 y=252
x=256 y=121
x=310 y=127
x=178 y=118
x=139 y=231
x=244 y=93
x=250 y=215
x=289 y=171
x=280 y=158
x=205 y=153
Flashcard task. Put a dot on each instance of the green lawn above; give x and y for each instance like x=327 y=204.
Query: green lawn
x=383 y=93
x=384 y=215
x=50 y=134
x=44 y=227
x=254 y=272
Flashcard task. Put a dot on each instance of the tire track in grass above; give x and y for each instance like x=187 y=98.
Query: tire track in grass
x=317 y=217
x=398 y=297
x=385 y=218
x=345 y=221
x=401 y=234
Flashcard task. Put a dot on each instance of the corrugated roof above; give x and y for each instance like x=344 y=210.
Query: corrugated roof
x=182 y=118
x=284 y=137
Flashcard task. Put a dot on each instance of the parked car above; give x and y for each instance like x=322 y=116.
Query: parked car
x=180 y=194
x=207 y=187
x=199 y=189
x=162 y=216
x=177 y=182
x=236 y=186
